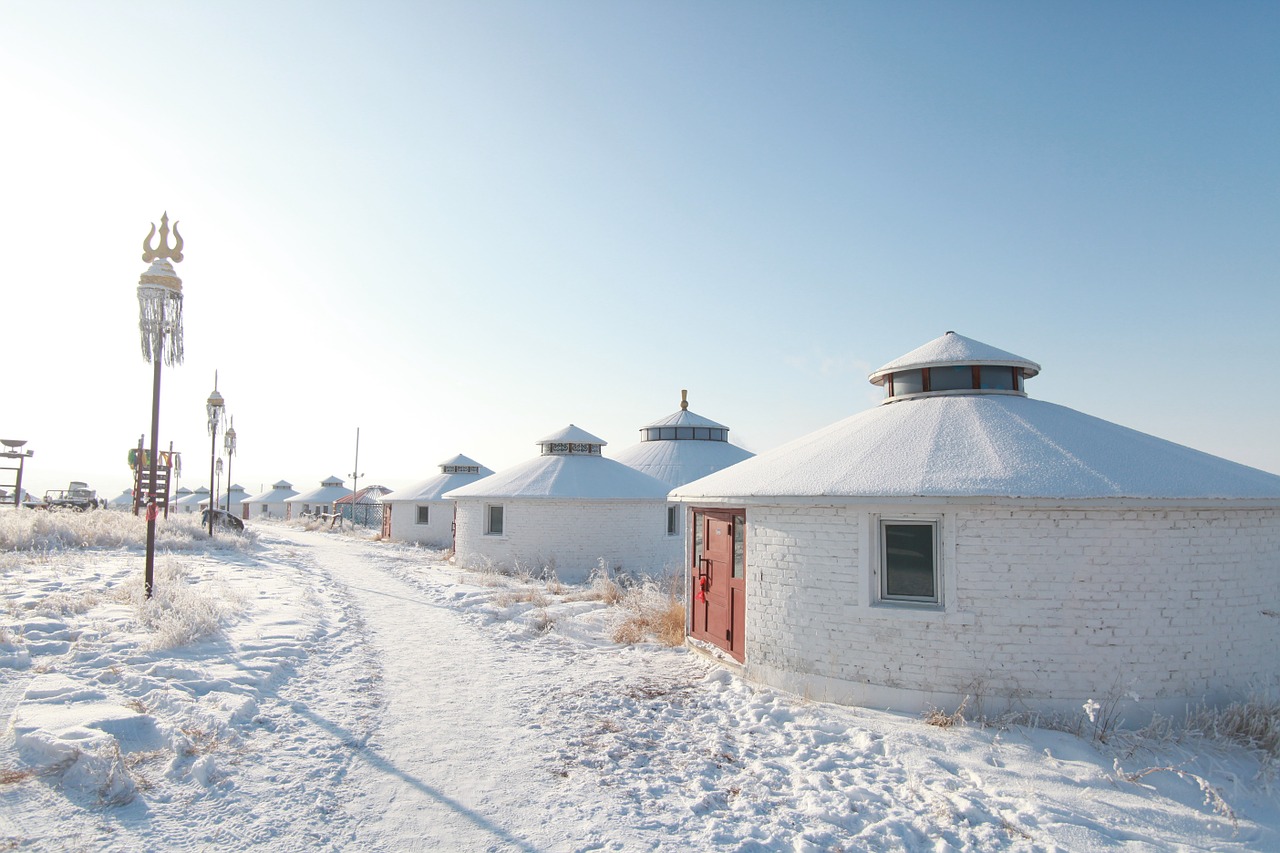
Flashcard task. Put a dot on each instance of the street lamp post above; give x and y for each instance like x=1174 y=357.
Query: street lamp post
x=214 y=407
x=160 y=323
x=229 y=445
x=213 y=504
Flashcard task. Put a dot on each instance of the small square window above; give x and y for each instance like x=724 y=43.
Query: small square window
x=909 y=561
x=673 y=520
x=424 y=515
x=493 y=520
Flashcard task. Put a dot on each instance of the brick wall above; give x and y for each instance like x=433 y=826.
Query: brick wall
x=630 y=535
x=437 y=532
x=1041 y=608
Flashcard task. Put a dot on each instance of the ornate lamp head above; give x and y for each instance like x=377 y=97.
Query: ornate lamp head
x=160 y=298
x=214 y=407
x=229 y=438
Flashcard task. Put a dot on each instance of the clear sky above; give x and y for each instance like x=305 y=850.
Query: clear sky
x=460 y=226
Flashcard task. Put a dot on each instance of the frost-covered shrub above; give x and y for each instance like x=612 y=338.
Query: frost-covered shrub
x=62 y=530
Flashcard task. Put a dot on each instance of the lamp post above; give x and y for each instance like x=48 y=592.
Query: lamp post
x=214 y=407
x=229 y=445
x=160 y=323
x=213 y=503
x=13 y=450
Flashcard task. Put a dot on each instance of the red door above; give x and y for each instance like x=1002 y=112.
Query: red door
x=719 y=595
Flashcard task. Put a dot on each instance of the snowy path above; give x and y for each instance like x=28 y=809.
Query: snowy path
x=468 y=754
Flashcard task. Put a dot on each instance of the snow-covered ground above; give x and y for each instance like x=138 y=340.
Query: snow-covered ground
x=302 y=690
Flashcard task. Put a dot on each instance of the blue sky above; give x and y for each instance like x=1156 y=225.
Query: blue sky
x=461 y=226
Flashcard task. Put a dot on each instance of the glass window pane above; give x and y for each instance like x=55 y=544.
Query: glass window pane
x=951 y=378
x=423 y=514
x=739 y=546
x=684 y=433
x=495 y=521
x=909 y=562
x=997 y=378
x=697 y=539
x=907 y=382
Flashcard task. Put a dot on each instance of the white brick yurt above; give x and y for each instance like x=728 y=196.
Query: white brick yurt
x=963 y=540
x=236 y=496
x=565 y=511
x=682 y=447
x=122 y=501
x=317 y=501
x=271 y=504
x=187 y=501
x=419 y=513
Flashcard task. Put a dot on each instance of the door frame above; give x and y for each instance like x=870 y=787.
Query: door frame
x=734 y=641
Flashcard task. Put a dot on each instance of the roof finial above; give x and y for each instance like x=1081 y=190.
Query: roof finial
x=684 y=399
x=163 y=249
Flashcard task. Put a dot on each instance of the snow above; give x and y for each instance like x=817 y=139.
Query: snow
x=984 y=445
x=585 y=477
x=297 y=690
x=678 y=461
x=432 y=488
x=955 y=349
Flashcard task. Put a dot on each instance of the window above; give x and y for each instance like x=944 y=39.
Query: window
x=998 y=379
x=739 y=546
x=950 y=378
x=424 y=514
x=909 y=561
x=493 y=520
x=673 y=520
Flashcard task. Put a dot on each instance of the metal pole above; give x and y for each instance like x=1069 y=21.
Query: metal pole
x=157 y=356
x=213 y=455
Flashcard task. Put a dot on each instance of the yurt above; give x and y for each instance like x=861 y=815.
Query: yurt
x=420 y=513
x=962 y=539
x=363 y=508
x=317 y=501
x=235 y=496
x=566 y=512
x=187 y=501
x=271 y=504
x=682 y=447
x=122 y=501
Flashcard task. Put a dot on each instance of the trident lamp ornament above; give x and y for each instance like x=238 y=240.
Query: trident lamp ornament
x=160 y=297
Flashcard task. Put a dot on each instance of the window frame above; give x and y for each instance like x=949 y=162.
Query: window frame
x=882 y=569
x=488 y=520
x=423 y=514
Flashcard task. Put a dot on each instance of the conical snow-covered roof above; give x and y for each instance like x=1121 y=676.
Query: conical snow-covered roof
x=570 y=467
x=193 y=498
x=125 y=498
x=278 y=493
x=682 y=447
x=953 y=349
x=455 y=472
x=330 y=490
x=958 y=443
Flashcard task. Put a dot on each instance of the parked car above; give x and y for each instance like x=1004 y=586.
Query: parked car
x=222 y=518
x=77 y=496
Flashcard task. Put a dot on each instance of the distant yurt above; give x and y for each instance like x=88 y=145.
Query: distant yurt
x=567 y=512
x=317 y=501
x=964 y=540
x=271 y=504
x=236 y=496
x=682 y=447
x=364 y=508
x=191 y=502
x=420 y=513
x=122 y=501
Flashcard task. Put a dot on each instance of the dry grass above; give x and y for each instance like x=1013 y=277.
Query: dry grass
x=521 y=596
x=943 y=720
x=651 y=614
x=1254 y=723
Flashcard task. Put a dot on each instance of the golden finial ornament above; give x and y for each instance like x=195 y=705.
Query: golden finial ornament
x=163 y=249
x=684 y=399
